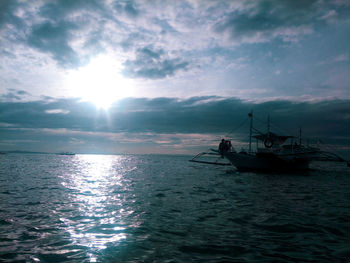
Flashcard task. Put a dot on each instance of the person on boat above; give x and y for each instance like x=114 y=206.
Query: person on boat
x=228 y=145
x=222 y=147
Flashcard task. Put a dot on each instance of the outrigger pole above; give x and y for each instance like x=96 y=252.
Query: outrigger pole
x=215 y=153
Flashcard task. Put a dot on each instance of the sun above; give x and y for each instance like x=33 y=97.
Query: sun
x=99 y=82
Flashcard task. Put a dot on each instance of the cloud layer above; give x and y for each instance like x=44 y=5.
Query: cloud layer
x=71 y=32
x=172 y=122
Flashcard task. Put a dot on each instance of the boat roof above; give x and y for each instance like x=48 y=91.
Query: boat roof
x=272 y=136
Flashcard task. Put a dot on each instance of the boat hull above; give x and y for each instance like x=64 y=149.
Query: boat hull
x=269 y=162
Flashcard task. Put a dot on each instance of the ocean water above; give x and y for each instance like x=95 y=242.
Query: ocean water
x=159 y=208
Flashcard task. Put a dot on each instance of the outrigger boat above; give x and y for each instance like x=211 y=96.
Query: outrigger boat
x=275 y=155
x=66 y=153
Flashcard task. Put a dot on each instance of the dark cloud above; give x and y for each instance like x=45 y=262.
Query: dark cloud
x=59 y=9
x=153 y=64
x=22 y=92
x=54 y=39
x=147 y=52
x=267 y=19
x=64 y=21
x=165 y=26
x=169 y=115
x=34 y=114
x=140 y=123
x=14 y=95
x=53 y=26
x=127 y=7
x=10 y=96
x=7 y=8
x=132 y=39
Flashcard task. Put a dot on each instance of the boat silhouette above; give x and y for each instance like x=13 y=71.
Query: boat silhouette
x=276 y=153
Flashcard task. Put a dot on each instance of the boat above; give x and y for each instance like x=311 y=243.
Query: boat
x=66 y=153
x=280 y=153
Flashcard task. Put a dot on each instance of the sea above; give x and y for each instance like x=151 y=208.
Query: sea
x=162 y=208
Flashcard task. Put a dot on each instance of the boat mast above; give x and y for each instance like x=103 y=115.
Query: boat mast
x=250 y=131
x=299 y=136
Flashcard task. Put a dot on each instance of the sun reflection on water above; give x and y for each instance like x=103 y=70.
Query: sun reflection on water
x=96 y=214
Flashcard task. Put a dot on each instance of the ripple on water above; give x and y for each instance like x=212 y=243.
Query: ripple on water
x=94 y=208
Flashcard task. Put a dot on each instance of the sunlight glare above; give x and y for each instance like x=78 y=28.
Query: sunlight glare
x=100 y=82
x=92 y=187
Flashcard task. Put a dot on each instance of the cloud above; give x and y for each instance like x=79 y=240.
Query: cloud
x=330 y=15
x=180 y=45
x=341 y=58
x=62 y=29
x=71 y=32
x=54 y=39
x=57 y=111
x=166 y=124
x=14 y=95
x=63 y=9
x=167 y=115
x=6 y=7
x=127 y=7
x=153 y=64
x=265 y=20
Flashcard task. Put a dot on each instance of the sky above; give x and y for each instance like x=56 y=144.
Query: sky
x=93 y=76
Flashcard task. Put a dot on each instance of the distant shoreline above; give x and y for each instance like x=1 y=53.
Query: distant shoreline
x=58 y=153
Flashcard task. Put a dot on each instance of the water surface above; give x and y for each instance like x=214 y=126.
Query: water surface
x=158 y=208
